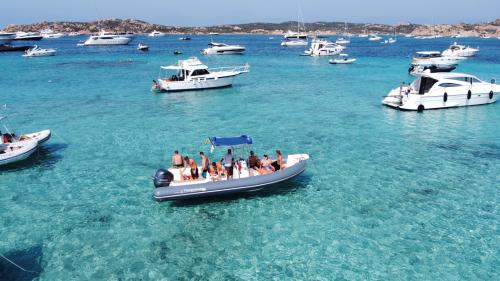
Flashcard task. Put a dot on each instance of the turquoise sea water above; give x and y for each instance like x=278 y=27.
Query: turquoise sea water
x=387 y=195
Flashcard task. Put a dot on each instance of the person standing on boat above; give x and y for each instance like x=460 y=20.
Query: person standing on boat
x=278 y=164
x=177 y=160
x=205 y=164
x=228 y=164
x=193 y=166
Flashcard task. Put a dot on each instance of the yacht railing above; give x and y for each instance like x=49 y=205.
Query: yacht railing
x=242 y=68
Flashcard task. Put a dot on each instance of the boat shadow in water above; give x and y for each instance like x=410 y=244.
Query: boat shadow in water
x=281 y=188
x=29 y=259
x=45 y=157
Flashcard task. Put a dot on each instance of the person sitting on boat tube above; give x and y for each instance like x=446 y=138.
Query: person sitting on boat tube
x=265 y=165
x=177 y=161
x=228 y=164
x=278 y=163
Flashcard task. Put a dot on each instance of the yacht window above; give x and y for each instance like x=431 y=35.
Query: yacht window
x=426 y=84
x=449 y=85
x=198 y=72
x=466 y=79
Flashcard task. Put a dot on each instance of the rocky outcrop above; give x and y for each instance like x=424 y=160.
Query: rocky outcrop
x=139 y=26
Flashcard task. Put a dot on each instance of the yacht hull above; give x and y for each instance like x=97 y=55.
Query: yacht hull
x=196 y=84
x=29 y=38
x=437 y=101
x=223 y=187
x=107 y=42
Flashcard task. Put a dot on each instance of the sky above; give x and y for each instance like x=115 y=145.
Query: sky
x=215 y=12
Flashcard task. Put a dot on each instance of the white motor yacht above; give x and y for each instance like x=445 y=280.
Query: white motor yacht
x=156 y=34
x=434 y=58
x=50 y=34
x=374 y=37
x=320 y=47
x=390 y=41
x=442 y=90
x=28 y=36
x=39 y=52
x=291 y=39
x=192 y=74
x=456 y=50
x=6 y=38
x=104 y=38
x=223 y=49
x=343 y=59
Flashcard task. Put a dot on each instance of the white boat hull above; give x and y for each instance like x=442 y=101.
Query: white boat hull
x=294 y=43
x=223 y=51
x=18 y=151
x=197 y=83
x=341 y=61
x=455 y=98
x=41 y=54
x=93 y=41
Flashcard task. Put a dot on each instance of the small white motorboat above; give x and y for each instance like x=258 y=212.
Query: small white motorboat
x=374 y=37
x=442 y=90
x=8 y=136
x=223 y=49
x=50 y=34
x=171 y=184
x=342 y=41
x=39 y=52
x=142 y=47
x=456 y=50
x=192 y=74
x=343 y=59
x=389 y=41
x=17 y=151
x=155 y=33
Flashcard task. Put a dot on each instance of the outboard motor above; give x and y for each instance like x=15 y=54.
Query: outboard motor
x=163 y=178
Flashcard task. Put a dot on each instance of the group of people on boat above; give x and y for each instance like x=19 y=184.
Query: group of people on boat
x=11 y=137
x=225 y=166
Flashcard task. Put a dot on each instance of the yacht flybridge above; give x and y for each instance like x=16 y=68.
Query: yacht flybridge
x=456 y=50
x=171 y=184
x=223 y=49
x=105 y=38
x=320 y=47
x=442 y=90
x=434 y=58
x=192 y=74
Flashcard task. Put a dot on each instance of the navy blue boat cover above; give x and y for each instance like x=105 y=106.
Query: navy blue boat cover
x=231 y=141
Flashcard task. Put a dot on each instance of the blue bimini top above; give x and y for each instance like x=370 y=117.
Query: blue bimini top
x=231 y=141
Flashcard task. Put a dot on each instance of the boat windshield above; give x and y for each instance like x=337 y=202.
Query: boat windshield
x=425 y=84
x=199 y=72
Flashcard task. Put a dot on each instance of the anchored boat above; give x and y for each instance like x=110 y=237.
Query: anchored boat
x=442 y=90
x=39 y=52
x=170 y=185
x=192 y=74
x=321 y=47
x=223 y=49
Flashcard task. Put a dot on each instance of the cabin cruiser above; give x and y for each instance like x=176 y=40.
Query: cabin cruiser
x=456 y=50
x=343 y=59
x=374 y=37
x=390 y=41
x=171 y=184
x=223 y=49
x=105 y=38
x=6 y=38
x=321 y=47
x=28 y=36
x=291 y=39
x=416 y=70
x=50 y=34
x=442 y=90
x=342 y=41
x=39 y=52
x=192 y=74
x=434 y=58
x=156 y=34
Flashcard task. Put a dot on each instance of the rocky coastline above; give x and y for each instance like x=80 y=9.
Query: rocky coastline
x=323 y=28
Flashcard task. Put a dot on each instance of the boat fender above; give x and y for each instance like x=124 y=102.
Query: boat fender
x=469 y=94
x=445 y=96
x=420 y=108
x=162 y=178
x=491 y=95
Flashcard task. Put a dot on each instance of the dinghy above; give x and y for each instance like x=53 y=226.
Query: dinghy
x=171 y=184
x=17 y=151
x=343 y=59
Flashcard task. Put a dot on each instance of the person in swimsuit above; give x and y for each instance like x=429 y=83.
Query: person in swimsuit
x=177 y=160
x=193 y=167
x=228 y=164
x=205 y=164
x=278 y=164
x=212 y=171
x=266 y=167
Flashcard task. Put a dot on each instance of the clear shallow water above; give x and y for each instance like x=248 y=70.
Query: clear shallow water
x=388 y=195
